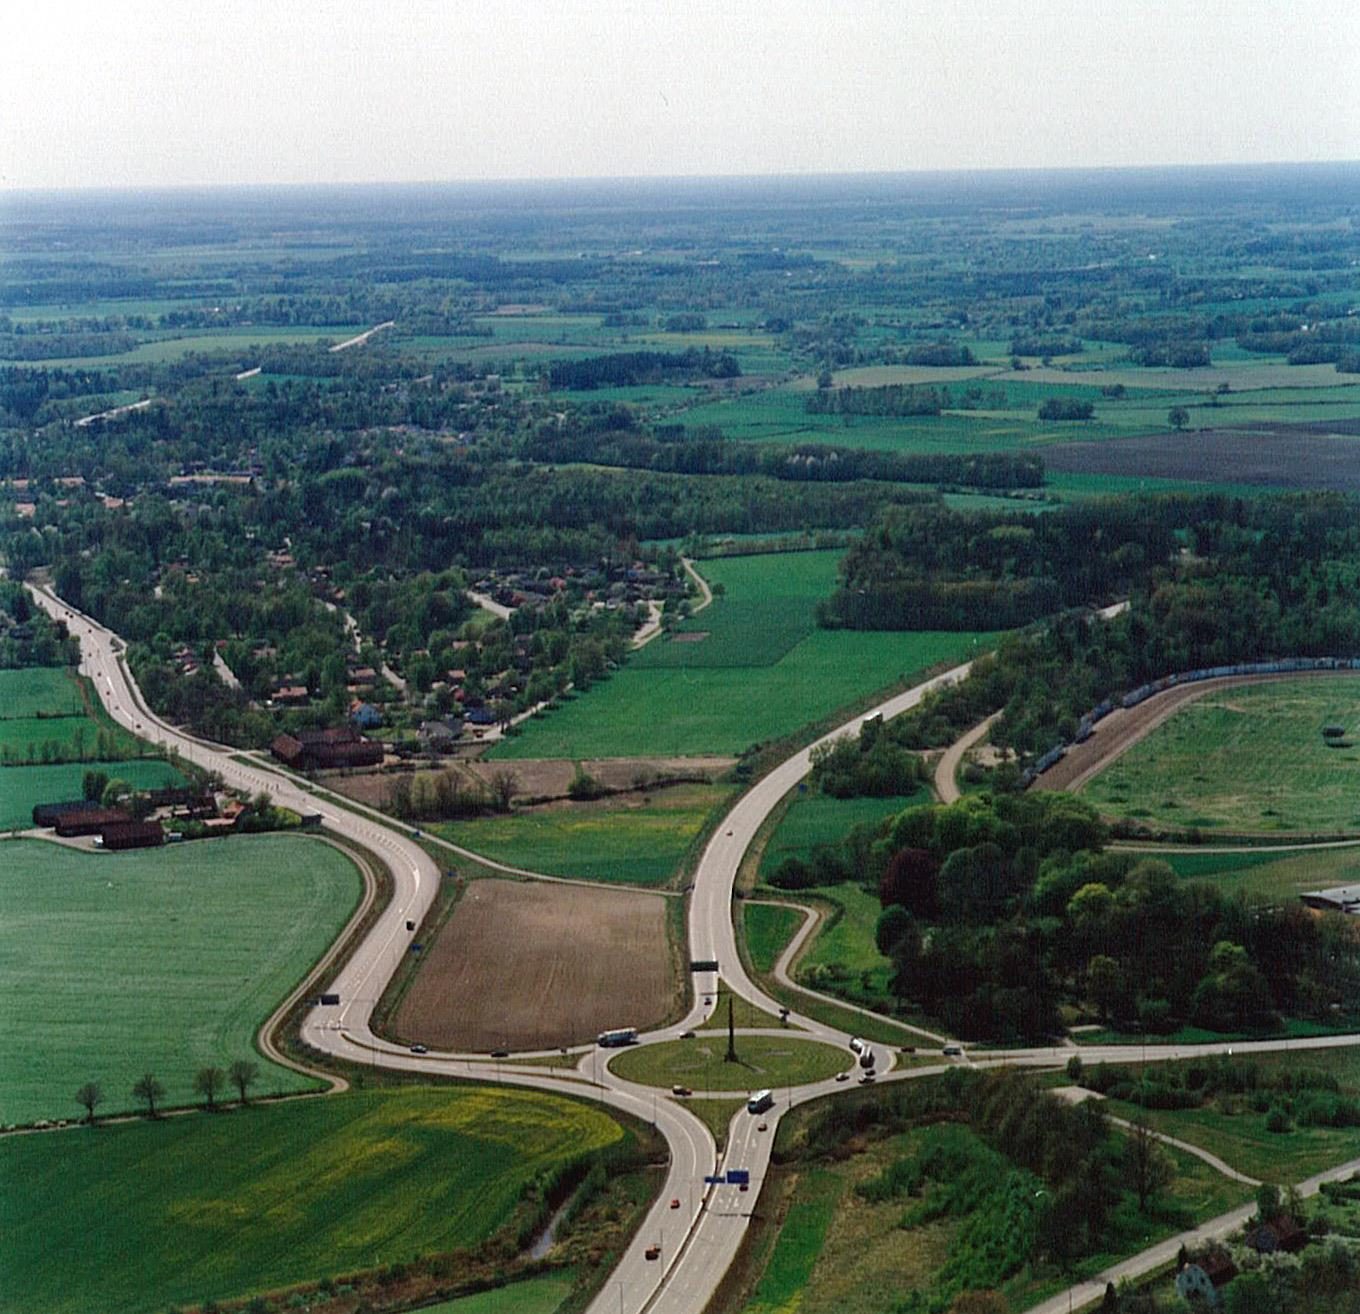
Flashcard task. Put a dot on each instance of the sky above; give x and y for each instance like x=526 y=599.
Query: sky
x=175 y=92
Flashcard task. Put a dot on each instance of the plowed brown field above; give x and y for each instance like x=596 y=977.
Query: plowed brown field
x=530 y=965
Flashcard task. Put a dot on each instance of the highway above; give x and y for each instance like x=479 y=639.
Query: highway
x=699 y=1239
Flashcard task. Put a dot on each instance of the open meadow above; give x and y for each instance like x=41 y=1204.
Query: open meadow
x=635 y=839
x=1252 y=758
x=150 y=1215
x=761 y=670
x=162 y=961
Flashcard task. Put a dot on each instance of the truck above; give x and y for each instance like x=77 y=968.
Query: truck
x=617 y=1038
x=760 y=1101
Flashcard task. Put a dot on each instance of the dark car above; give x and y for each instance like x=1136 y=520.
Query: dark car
x=419 y=1049
x=500 y=1053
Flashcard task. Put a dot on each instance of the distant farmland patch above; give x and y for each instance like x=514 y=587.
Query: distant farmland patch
x=530 y=965
x=1277 y=456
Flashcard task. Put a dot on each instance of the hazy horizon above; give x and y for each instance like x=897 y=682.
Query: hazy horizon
x=147 y=93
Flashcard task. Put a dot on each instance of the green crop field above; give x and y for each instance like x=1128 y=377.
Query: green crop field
x=161 y=349
x=815 y=818
x=189 y=1209
x=1251 y=758
x=769 y=928
x=160 y=961
x=23 y=787
x=39 y=691
x=43 y=712
x=672 y=699
x=772 y=1061
x=640 y=842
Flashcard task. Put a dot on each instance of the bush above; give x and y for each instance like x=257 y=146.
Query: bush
x=1277 y=1120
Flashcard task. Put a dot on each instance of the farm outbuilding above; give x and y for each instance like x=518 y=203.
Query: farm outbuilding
x=132 y=835
x=307 y=750
x=89 y=820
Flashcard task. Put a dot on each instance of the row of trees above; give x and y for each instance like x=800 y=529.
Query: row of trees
x=209 y=1082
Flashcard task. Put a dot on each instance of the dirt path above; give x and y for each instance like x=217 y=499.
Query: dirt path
x=700 y=581
x=947 y=768
x=1124 y=727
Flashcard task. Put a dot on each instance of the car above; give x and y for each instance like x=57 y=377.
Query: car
x=681 y=1091
x=764 y=1126
x=729 y=833
x=419 y=1049
x=867 y=1079
x=952 y=1051
x=687 y=1035
x=745 y=1186
x=653 y=1252
x=708 y=999
x=500 y=1053
x=842 y=1076
x=908 y=1049
x=857 y=1044
x=675 y=1204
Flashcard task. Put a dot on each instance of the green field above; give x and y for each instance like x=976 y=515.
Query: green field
x=159 y=961
x=769 y=927
x=641 y=842
x=815 y=818
x=189 y=1209
x=39 y=691
x=686 y=699
x=802 y=1237
x=1271 y=875
x=1245 y=759
x=43 y=713
x=23 y=787
x=535 y=1295
x=762 y=1061
x=843 y=958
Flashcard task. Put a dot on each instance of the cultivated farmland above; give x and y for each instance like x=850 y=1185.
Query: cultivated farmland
x=1248 y=758
x=44 y=715
x=163 y=960
x=764 y=670
x=528 y=965
x=216 y=1207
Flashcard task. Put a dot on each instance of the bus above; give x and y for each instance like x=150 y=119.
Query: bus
x=760 y=1101
x=617 y=1038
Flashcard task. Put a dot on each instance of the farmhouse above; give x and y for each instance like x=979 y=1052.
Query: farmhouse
x=309 y=750
x=132 y=835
